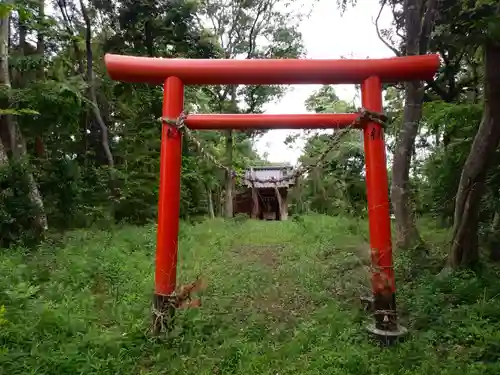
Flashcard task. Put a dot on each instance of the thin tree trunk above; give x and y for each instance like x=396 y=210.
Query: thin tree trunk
x=4 y=160
x=211 y=210
x=220 y=202
x=62 y=4
x=229 y=209
x=419 y=24
x=495 y=223
x=91 y=90
x=40 y=149
x=10 y=134
x=407 y=231
x=494 y=240
x=40 y=46
x=23 y=32
x=4 y=49
x=83 y=154
x=464 y=250
x=228 y=197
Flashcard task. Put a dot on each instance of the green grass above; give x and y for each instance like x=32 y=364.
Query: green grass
x=281 y=299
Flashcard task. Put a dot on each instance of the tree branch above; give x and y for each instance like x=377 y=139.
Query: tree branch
x=437 y=89
x=91 y=89
x=231 y=41
x=69 y=30
x=393 y=49
x=427 y=25
x=252 y=36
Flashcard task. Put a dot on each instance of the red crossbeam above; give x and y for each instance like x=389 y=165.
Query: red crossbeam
x=267 y=121
x=269 y=71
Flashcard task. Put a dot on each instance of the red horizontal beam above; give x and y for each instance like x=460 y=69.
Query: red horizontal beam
x=267 y=121
x=269 y=71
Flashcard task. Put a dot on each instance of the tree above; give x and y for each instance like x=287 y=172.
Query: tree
x=481 y=24
x=239 y=27
x=325 y=100
x=57 y=74
x=414 y=21
x=336 y=186
x=419 y=16
x=91 y=82
x=13 y=142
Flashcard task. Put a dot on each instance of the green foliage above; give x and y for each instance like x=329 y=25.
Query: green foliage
x=63 y=139
x=17 y=211
x=75 y=197
x=5 y=9
x=325 y=100
x=3 y=321
x=17 y=112
x=337 y=187
x=471 y=21
x=454 y=127
x=80 y=304
x=284 y=301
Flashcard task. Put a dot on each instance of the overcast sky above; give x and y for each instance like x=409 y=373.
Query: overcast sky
x=327 y=35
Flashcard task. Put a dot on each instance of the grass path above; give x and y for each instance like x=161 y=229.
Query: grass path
x=281 y=299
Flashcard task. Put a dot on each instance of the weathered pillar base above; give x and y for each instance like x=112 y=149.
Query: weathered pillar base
x=164 y=307
x=386 y=329
x=385 y=337
x=367 y=303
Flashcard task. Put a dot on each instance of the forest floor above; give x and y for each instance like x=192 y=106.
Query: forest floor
x=282 y=298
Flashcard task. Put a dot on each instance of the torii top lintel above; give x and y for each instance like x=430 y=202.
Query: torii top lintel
x=270 y=71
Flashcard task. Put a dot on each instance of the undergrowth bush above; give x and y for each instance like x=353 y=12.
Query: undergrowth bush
x=17 y=211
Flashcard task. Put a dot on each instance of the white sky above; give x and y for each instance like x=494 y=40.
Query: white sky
x=327 y=35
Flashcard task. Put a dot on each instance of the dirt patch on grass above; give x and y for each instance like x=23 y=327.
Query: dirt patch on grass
x=268 y=255
x=359 y=251
x=280 y=301
x=283 y=303
x=349 y=271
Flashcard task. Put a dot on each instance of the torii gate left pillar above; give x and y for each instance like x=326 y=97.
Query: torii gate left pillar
x=370 y=73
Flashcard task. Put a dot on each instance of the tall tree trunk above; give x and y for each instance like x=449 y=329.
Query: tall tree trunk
x=407 y=232
x=220 y=202
x=228 y=197
x=494 y=237
x=40 y=150
x=10 y=134
x=464 y=249
x=4 y=48
x=23 y=33
x=40 y=45
x=4 y=160
x=91 y=89
x=211 y=211
x=419 y=18
x=79 y=57
x=228 y=203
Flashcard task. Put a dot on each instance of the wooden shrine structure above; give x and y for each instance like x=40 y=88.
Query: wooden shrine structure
x=264 y=200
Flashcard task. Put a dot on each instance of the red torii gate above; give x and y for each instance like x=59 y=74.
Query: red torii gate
x=370 y=73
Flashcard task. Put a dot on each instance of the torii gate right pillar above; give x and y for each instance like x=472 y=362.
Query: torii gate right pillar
x=386 y=327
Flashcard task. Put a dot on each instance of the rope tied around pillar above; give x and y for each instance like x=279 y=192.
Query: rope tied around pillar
x=164 y=306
